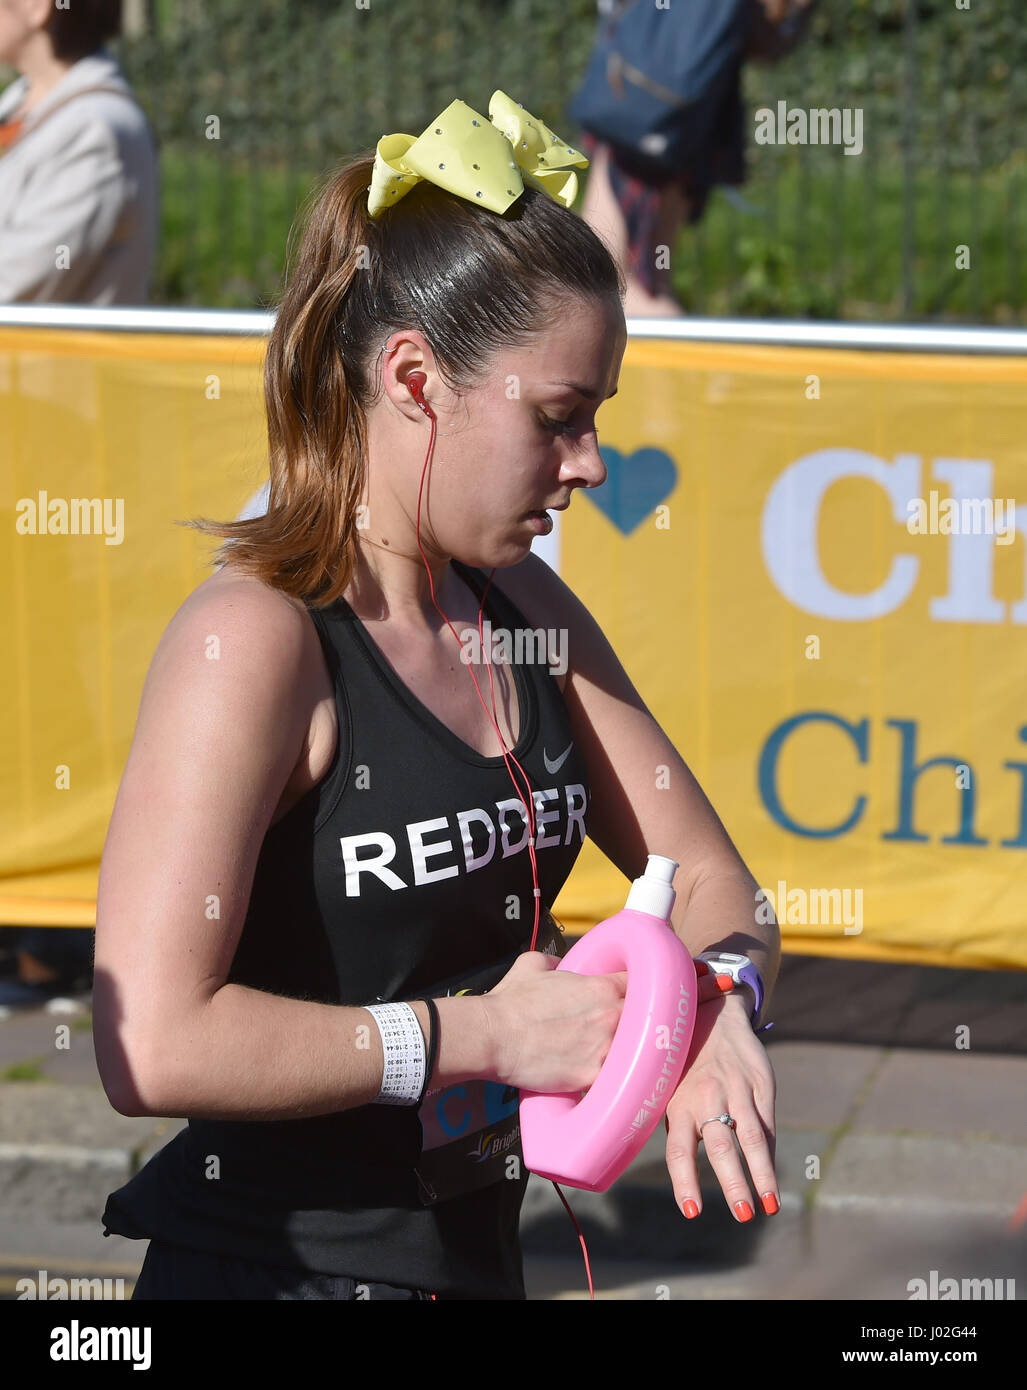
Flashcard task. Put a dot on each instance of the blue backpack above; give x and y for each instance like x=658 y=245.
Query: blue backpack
x=658 y=78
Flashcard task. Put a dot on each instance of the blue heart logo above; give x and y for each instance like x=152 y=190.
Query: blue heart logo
x=635 y=485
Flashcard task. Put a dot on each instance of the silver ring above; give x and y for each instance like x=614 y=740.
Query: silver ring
x=724 y=1119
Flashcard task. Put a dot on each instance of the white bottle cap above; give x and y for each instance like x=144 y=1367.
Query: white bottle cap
x=652 y=892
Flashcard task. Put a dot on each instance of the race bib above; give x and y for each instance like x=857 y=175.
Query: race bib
x=471 y=1139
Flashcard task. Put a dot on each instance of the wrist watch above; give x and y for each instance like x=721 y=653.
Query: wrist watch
x=741 y=970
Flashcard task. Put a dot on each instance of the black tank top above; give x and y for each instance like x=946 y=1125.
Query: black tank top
x=404 y=872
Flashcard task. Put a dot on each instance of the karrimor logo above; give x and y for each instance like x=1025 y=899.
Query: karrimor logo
x=819 y=125
x=44 y=515
x=947 y=1288
x=649 y=1105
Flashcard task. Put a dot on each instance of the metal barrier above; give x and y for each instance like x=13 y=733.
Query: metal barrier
x=779 y=333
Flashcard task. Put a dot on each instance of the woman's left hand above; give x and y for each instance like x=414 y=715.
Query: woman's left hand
x=729 y=1071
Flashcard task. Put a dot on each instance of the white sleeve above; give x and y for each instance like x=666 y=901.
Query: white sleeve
x=73 y=198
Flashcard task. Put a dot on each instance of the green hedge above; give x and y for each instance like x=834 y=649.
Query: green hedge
x=299 y=85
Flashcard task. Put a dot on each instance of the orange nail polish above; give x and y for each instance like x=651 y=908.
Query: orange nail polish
x=743 y=1211
x=769 y=1201
x=690 y=1209
x=725 y=982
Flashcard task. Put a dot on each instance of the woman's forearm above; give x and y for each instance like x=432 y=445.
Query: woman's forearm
x=724 y=914
x=247 y=1055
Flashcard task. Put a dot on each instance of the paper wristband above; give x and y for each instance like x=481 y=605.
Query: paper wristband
x=403 y=1049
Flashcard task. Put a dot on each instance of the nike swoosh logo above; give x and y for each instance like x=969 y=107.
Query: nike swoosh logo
x=556 y=765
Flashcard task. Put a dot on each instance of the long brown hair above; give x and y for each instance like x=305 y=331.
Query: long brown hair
x=471 y=281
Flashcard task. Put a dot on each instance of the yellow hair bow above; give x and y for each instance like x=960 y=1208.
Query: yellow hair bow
x=471 y=157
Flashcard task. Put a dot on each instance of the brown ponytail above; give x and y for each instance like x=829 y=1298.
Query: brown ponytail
x=471 y=281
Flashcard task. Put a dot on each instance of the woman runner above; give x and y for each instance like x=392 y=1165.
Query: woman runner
x=317 y=894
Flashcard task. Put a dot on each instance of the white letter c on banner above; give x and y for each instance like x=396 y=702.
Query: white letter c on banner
x=788 y=532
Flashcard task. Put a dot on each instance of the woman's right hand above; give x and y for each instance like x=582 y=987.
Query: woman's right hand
x=551 y=1030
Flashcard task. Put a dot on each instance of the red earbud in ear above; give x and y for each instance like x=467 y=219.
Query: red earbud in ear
x=416 y=382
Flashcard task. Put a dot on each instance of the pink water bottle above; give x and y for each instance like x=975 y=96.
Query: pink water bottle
x=588 y=1140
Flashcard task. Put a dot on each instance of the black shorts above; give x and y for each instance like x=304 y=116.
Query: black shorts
x=173 y=1271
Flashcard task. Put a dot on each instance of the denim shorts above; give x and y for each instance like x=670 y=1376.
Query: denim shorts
x=173 y=1271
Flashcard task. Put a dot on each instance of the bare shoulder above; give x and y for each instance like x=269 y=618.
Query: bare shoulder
x=235 y=608
x=245 y=659
x=260 y=643
x=230 y=589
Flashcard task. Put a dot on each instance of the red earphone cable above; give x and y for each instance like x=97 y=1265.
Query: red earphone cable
x=527 y=804
x=581 y=1238
x=415 y=383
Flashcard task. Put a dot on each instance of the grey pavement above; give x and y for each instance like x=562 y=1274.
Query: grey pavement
x=892 y=1161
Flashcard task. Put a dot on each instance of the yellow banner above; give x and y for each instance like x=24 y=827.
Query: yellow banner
x=811 y=562
x=842 y=668
x=155 y=429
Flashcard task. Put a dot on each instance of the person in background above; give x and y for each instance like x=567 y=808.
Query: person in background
x=78 y=161
x=78 y=225
x=637 y=204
